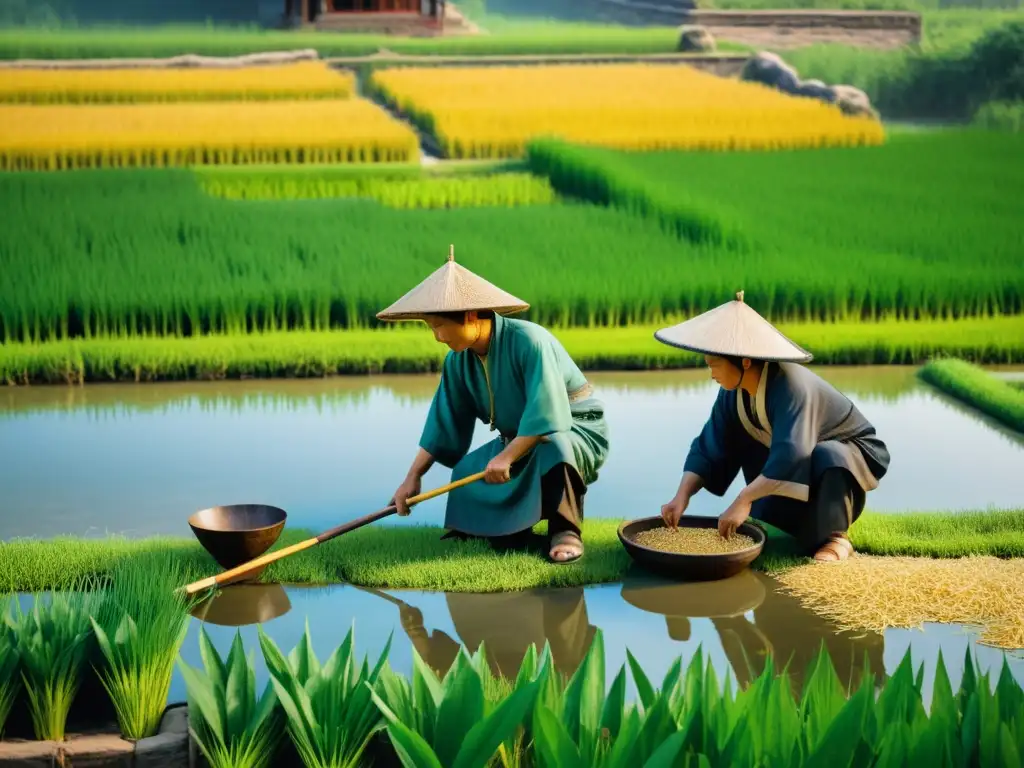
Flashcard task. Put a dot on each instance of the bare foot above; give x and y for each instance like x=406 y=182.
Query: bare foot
x=835 y=549
x=565 y=547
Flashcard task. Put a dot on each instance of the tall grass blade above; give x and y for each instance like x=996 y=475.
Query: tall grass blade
x=140 y=626
x=10 y=679
x=329 y=708
x=231 y=728
x=53 y=643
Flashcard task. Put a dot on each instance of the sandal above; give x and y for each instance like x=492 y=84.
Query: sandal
x=567 y=542
x=839 y=547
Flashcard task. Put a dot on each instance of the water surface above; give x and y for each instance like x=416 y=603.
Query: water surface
x=736 y=623
x=139 y=459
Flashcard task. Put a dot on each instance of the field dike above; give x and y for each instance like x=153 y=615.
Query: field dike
x=978 y=389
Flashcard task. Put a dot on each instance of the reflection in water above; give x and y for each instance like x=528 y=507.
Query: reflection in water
x=507 y=624
x=239 y=605
x=735 y=622
x=139 y=459
x=779 y=627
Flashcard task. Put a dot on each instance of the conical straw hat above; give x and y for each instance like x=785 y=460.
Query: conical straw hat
x=733 y=329
x=452 y=288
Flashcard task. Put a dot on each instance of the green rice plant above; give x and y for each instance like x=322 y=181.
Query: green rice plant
x=533 y=37
x=141 y=625
x=884 y=227
x=450 y=722
x=977 y=388
x=1001 y=116
x=298 y=354
x=231 y=727
x=53 y=643
x=330 y=715
x=584 y=726
x=414 y=557
x=10 y=680
x=434 y=191
x=122 y=253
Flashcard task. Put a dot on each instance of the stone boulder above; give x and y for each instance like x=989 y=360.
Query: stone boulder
x=695 y=39
x=816 y=89
x=853 y=101
x=769 y=69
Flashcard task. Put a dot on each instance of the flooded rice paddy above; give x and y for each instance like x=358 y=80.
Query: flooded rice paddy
x=139 y=459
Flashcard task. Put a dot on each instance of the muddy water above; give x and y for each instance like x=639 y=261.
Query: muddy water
x=736 y=623
x=139 y=459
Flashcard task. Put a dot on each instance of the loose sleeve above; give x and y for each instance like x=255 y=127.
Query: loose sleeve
x=792 y=411
x=715 y=453
x=547 y=405
x=448 y=431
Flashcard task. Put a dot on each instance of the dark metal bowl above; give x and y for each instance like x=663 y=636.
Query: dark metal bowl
x=689 y=567
x=236 y=533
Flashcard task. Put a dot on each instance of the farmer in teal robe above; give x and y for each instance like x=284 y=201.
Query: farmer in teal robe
x=550 y=435
x=807 y=453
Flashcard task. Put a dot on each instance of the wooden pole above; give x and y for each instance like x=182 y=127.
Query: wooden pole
x=305 y=11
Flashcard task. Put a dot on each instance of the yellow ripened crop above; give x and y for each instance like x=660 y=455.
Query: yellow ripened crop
x=479 y=112
x=159 y=135
x=299 y=80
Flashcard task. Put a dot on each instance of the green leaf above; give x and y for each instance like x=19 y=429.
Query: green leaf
x=484 y=737
x=200 y=688
x=624 y=748
x=645 y=691
x=1009 y=755
x=842 y=734
x=822 y=701
x=461 y=709
x=665 y=755
x=411 y=748
x=615 y=704
x=552 y=745
x=528 y=666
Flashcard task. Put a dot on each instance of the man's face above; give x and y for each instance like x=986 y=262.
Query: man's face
x=723 y=372
x=457 y=336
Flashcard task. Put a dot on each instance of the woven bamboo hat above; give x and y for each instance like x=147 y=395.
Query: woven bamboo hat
x=452 y=288
x=733 y=329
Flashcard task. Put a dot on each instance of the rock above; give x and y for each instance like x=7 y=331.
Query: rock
x=816 y=89
x=170 y=747
x=695 y=39
x=769 y=69
x=853 y=101
x=27 y=754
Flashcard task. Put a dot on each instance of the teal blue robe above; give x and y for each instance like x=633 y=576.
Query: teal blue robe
x=537 y=389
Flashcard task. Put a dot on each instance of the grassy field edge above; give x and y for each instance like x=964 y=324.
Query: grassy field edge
x=415 y=557
x=978 y=389
x=406 y=349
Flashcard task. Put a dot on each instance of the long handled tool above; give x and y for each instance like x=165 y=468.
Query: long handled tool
x=245 y=569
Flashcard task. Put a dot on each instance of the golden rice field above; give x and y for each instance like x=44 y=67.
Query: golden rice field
x=298 y=80
x=492 y=111
x=200 y=133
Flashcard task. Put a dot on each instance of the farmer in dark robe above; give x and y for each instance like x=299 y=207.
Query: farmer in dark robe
x=551 y=437
x=780 y=626
x=807 y=453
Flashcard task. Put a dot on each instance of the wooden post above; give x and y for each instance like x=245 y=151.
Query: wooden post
x=305 y=11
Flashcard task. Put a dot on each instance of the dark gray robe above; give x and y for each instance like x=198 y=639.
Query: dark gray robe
x=797 y=428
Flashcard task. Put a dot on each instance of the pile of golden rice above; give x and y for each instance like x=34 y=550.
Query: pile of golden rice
x=875 y=593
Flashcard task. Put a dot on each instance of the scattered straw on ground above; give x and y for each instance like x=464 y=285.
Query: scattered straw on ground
x=875 y=593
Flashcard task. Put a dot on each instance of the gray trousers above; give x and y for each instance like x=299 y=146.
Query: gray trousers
x=835 y=503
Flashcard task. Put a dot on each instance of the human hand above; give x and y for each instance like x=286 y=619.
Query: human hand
x=733 y=517
x=498 y=470
x=409 y=487
x=674 y=510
